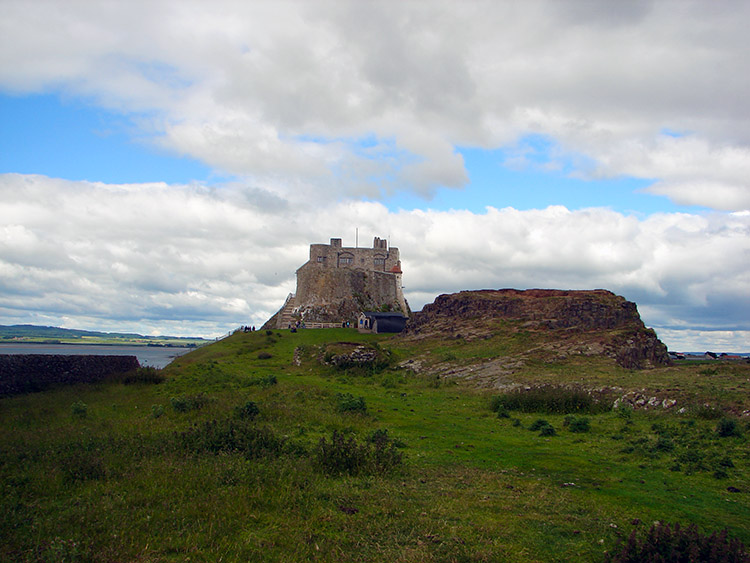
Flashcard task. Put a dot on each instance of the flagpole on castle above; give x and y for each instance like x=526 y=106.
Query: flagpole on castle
x=356 y=237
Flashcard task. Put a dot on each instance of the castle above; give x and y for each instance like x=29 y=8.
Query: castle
x=339 y=282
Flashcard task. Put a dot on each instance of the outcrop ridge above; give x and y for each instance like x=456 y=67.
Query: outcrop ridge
x=594 y=322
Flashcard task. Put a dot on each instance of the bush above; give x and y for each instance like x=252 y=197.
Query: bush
x=247 y=411
x=229 y=436
x=146 y=375
x=156 y=411
x=549 y=399
x=547 y=430
x=187 y=403
x=502 y=412
x=79 y=409
x=346 y=456
x=538 y=424
x=575 y=424
x=349 y=403
x=675 y=544
x=728 y=427
x=544 y=427
x=265 y=356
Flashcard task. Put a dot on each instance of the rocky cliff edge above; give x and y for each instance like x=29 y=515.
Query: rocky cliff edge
x=595 y=322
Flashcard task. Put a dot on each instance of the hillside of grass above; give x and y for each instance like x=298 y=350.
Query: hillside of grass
x=280 y=446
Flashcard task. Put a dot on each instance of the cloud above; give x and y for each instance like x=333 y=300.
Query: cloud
x=285 y=93
x=187 y=258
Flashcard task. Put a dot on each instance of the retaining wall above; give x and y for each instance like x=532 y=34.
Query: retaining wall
x=25 y=373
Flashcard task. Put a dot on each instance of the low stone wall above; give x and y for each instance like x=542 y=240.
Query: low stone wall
x=25 y=373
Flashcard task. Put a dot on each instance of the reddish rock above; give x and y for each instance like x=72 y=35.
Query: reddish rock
x=603 y=320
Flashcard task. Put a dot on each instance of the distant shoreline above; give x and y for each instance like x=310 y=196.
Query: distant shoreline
x=82 y=343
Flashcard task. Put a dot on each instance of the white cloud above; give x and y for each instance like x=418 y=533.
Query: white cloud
x=285 y=92
x=191 y=259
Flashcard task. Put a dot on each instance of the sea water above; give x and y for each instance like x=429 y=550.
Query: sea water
x=153 y=356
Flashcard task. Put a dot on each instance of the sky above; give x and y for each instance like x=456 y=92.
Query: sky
x=165 y=165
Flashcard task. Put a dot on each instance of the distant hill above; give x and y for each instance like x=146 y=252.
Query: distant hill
x=34 y=332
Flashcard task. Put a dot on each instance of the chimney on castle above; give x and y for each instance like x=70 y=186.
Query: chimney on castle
x=380 y=243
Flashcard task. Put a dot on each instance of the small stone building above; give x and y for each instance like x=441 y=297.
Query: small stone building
x=378 y=323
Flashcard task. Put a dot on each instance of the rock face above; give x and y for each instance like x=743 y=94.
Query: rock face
x=597 y=320
x=24 y=373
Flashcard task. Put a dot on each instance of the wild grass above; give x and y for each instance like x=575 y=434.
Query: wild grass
x=425 y=472
x=551 y=399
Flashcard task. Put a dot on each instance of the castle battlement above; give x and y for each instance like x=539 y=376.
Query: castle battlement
x=379 y=258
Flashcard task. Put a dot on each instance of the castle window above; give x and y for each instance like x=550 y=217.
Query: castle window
x=321 y=259
x=346 y=259
x=380 y=261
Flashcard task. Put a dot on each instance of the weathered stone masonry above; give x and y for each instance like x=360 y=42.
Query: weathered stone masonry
x=339 y=282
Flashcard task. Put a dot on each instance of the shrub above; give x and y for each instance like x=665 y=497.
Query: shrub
x=267 y=380
x=265 y=356
x=547 y=430
x=349 y=403
x=579 y=424
x=676 y=544
x=79 y=409
x=549 y=399
x=156 y=411
x=146 y=375
x=187 y=403
x=248 y=411
x=728 y=427
x=538 y=424
x=228 y=436
x=344 y=455
x=502 y=412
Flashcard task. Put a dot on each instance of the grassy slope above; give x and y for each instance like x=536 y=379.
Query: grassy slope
x=113 y=486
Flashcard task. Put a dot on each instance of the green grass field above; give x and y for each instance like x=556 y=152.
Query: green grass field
x=186 y=471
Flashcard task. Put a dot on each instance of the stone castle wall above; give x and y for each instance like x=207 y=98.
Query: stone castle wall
x=334 y=255
x=24 y=373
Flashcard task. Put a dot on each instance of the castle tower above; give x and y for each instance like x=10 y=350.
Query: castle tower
x=338 y=282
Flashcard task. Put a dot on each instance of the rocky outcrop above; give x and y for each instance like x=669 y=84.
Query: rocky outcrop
x=24 y=373
x=336 y=295
x=597 y=321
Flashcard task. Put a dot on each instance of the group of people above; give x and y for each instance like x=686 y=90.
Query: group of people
x=247 y=328
x=294 y=326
